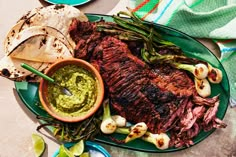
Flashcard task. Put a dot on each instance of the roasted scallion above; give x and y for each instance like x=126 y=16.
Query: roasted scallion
x=108 y=125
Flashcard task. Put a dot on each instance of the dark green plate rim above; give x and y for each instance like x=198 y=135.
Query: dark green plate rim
x=139 y=145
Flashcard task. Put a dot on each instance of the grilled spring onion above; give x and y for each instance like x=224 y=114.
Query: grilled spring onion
x=72 y=132
x=133 y=132
x=108 y=125
x=214 y=74
x=203 y=87
x=199 y=70
x=161 y=141
x=135 y=29
x=119 y=120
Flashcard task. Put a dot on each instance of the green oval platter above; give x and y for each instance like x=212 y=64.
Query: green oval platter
x=28 y=92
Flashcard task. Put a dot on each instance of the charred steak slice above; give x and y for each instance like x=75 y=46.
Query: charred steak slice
x=136 y=91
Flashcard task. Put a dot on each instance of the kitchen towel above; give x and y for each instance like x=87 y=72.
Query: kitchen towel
x=215 y=20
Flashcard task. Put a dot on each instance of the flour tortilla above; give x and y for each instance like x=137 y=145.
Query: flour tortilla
x=34 y=54
x=40 y=48
x=56 y=16
x=11 y=68
x=27 y=44
x=18 y=27
x=37 y=30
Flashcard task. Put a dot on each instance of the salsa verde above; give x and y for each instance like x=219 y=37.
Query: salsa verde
x=81 y=83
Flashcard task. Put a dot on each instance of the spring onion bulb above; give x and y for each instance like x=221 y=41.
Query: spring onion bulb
x=214 y=74
x=136 y=131
x=199 y=70
x=161 y=141
x=108 y=125
x=133 y=132
x=203 y=87
x=119 y=120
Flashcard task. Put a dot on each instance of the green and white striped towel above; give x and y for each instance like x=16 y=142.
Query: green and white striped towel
x=198 y=18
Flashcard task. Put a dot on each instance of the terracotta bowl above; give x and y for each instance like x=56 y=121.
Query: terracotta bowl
x=43 y=90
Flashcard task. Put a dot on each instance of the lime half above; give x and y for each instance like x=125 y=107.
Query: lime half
x=64 y=152
x=38 y=144
x=78 y=148
x=85 y=154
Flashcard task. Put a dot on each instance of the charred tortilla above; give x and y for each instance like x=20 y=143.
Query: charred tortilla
x=39 y=38
x=34 y=31
x=18 y=27
x=11 y=68
x=56 y=16
x=40 y=48
x=41 y=44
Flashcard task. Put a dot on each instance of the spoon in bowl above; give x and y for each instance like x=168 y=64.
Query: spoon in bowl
x=64 y=90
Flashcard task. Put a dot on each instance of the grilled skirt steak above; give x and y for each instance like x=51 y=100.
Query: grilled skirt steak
x=159 y=95
x=136 y=91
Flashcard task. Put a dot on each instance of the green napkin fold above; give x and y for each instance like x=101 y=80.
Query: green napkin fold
x=215 y=20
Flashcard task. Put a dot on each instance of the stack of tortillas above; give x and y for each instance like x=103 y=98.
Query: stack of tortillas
x=40 y=38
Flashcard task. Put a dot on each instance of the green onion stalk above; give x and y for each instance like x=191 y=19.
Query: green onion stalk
x=133 y=132
x=72 y=132
x=137 y=30
x=134 y=29
x=108 y=125
x=161 y=141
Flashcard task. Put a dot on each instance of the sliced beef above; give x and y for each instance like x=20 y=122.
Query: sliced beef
x=86 y=37
x=136 y=91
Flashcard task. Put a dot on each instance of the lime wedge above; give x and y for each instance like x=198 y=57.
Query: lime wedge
x=38 y=144
x=85 y=154
x=78 y=148
x=64 y=152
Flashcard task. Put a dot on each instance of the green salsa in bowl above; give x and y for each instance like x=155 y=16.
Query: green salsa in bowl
x=82 y=80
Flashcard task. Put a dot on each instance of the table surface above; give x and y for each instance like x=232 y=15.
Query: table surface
x=17 y=123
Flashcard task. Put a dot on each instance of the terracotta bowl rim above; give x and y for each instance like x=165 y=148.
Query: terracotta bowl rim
x=43 y=84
